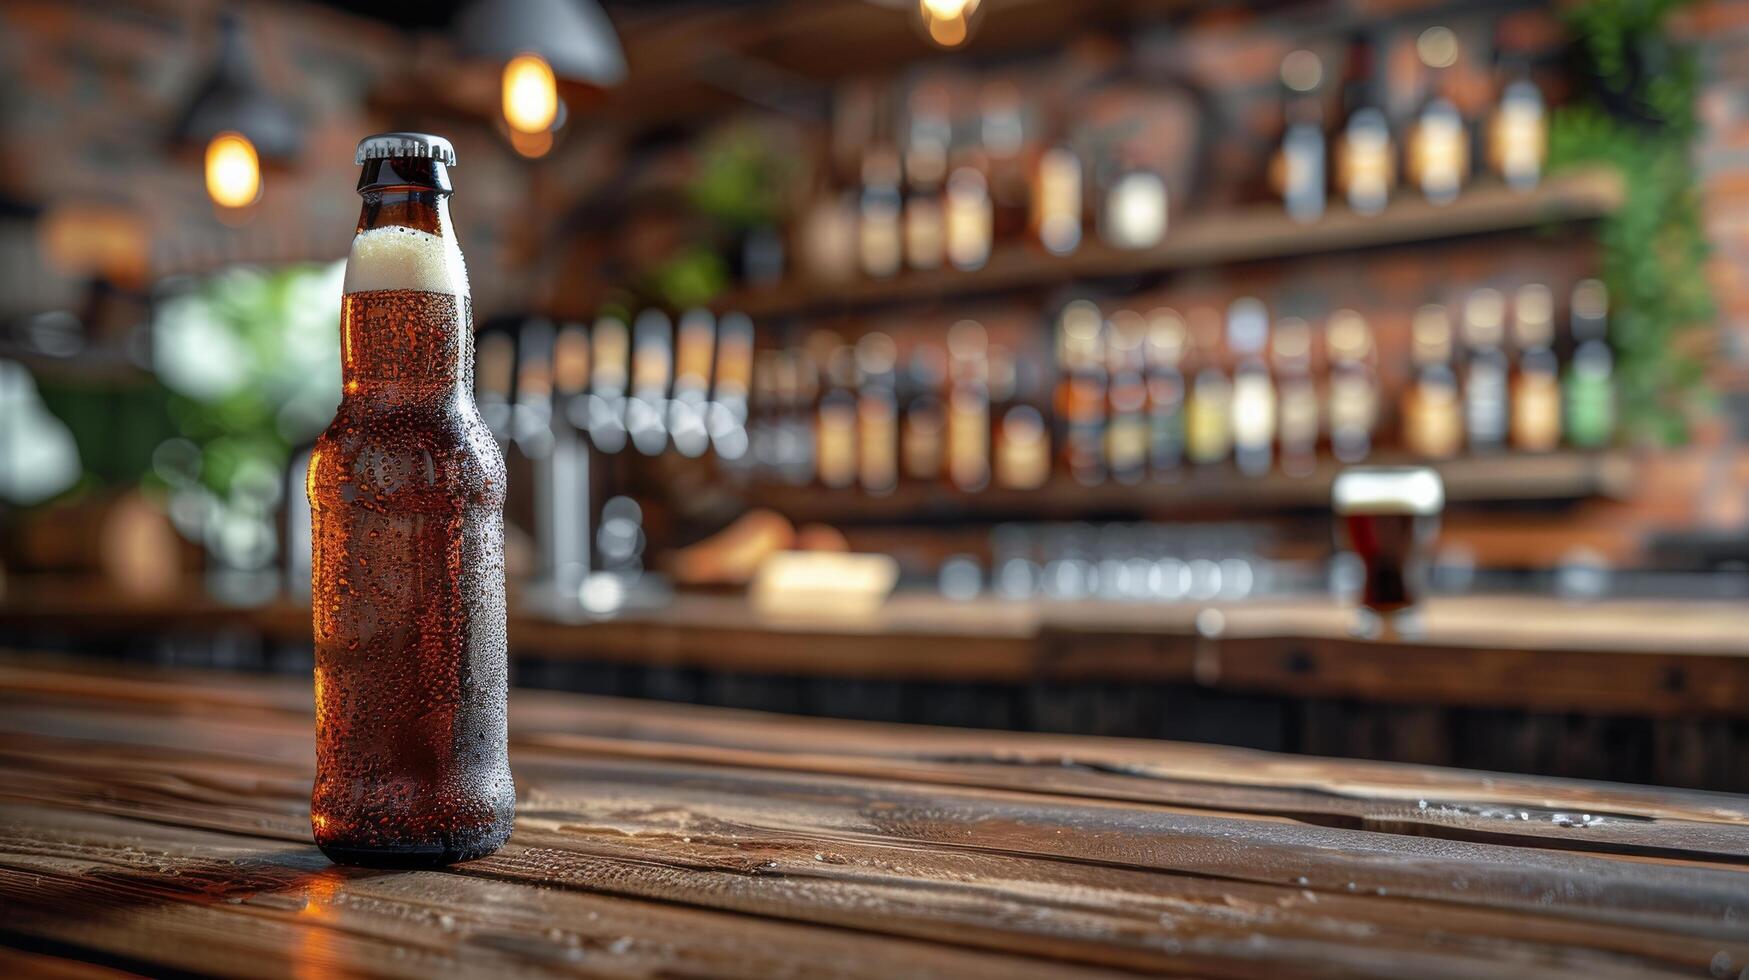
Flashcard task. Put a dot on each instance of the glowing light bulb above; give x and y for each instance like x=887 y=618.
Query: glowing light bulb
x=233 y=171
x=947 y=22
x=947 y=9
x=531 y=94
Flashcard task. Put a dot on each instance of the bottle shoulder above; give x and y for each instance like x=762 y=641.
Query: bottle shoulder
x=436 y=452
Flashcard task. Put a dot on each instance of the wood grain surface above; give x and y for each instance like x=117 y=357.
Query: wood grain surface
x=156 y=822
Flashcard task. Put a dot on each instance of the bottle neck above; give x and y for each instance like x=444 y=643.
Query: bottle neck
x=404 y=191
x=406 y=325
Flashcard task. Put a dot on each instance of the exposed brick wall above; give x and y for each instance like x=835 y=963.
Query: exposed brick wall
x=1720 y=28
x=89 y=92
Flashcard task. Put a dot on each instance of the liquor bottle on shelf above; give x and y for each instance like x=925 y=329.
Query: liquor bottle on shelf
x=969 y=218
x=1002 y=134
x=1254 y=402
x=1354 y=386
x=1023 y=441
x=826 y=243
x=880 y=241
x=1299 y=163
x=1589 y=385
x=1208 y=415
x=923 y=431
x=568 y=500
x=609 y=348
x=1081 y=391
x=1164 y=363
x=1002 y=384
x=1126 y=427
x=1057 y=200
x=693 y=349
x=835 y=425
x=925 y=174
x=1365 y=159
x=877 y=413
x=495 y=371
x=968 y=406
x=1486 y=416
x=1297 y=411
x=1133 y=210
x=1439 y=143
x=652 y=370
x=1518 y=134
x=1433 y=416
x=1536 y=379
x=798 y=381
x=527 y=459
x=765 y=414
x=726 y=414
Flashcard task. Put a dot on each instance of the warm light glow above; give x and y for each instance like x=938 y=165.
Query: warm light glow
x=233 y=171
x=947 y=9
x=532 y=145
x=531 y=94
x=947 y=22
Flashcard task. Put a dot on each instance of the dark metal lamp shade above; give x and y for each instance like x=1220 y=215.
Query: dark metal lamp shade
x=574 y=36
x=231 y=98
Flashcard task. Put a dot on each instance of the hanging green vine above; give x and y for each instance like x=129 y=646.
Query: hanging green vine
x=1639 y=117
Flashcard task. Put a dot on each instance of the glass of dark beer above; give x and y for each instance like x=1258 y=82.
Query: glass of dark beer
x=406 y=492
x=1389 y=514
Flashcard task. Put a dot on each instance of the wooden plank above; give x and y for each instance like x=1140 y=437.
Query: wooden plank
x=157 y=821
x=752 y=862
x=217 y=903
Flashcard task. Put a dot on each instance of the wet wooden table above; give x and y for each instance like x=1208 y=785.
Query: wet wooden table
x=156 y=822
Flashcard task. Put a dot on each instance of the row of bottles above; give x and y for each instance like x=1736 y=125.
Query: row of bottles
x=951 y=191
x=1145 y=396
x=1361 y=154
x=924 y=179
x=1486 y=386
x=1133 y=395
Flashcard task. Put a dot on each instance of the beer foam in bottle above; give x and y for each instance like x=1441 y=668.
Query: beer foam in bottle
x=397 y=257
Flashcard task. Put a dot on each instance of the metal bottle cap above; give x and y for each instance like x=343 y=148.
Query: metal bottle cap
x=416 y=145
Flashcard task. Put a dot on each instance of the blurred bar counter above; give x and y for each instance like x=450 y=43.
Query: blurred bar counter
x=1655 y=691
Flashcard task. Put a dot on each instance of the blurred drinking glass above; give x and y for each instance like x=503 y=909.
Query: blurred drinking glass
x=1390 y=515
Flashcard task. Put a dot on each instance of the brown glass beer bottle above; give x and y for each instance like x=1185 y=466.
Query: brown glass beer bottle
x=406 y=489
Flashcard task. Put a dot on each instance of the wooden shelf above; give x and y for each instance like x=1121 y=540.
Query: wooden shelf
x=1205 y=491
x=1252 y=233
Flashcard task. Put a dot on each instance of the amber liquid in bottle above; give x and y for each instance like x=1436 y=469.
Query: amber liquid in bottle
x=1536 y=379
x=877 y=414
x=1165 y=372
x=1081 y=392
x=1298 y=418
x=968 y=406
x=407 y=497
x=835 y=432
x=1433 y=418
x=1354 y=387
x=1126 y=430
